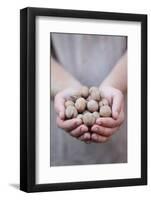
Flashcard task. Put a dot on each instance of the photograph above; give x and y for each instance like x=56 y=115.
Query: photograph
x=88 y=99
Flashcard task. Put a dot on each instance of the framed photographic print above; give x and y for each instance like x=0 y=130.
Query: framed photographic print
x=83 y=99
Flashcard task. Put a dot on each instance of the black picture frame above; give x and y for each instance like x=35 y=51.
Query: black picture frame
x=28 y=98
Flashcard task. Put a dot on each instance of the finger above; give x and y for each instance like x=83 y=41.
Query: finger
x=85 y=137
x=107 y=122
x=68 y=125
x=103 y=130
x=79 y=131
x=98 y=138
x=59 y=106
x=117 y=104
x=110 y=122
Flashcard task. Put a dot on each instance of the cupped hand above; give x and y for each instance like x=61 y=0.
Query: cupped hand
x=106 y=126
x=73 y=126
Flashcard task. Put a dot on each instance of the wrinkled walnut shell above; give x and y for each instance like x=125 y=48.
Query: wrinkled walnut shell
x=103 y=102
x=80 y=116
x=96 y=115
x=86 y=111
x=95 y=93
x=80 y=104
x=105 y=111
x=69 y=103
x=71 y=112
x=84 y=91
x=88 y=119
x=92 y=106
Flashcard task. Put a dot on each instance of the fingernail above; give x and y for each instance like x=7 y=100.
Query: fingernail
x=99 y=122
x=96 y=129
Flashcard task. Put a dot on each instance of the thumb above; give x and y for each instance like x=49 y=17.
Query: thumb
x=59 y=106
x=117 y=104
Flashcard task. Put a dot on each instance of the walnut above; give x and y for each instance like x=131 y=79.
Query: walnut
x=92 y=106
x=105 y=111
x=84 y=91
x=71 y=112
x=86 y=111
x=96 y=115
x=103 y=102
x=80 y=104
x=95 y=93
x=80 y=116
x=86 y=104
x=69 y=103
x=88 y=119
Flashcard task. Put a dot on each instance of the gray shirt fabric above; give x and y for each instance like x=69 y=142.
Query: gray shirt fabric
x=89 y=58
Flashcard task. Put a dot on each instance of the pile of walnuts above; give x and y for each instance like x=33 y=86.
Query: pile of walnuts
x=87 y=105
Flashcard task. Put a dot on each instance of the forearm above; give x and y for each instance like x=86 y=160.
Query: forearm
x=61 y=79
x=118 y=76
